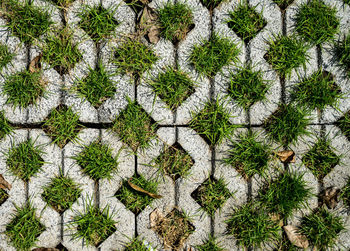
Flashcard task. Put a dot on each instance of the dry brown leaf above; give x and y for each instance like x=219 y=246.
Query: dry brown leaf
x=155 y=217
x=35 y=63
x=144 y=1
x=4 y=184
x=139 y=189
x=296 y=238
x=46 y=249
x=153 y=34
x=287 y=156
x=148 y=24
x=277 y=218
x=330 y=197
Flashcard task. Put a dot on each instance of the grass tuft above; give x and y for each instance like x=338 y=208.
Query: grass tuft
x=97 y=86
x=5 y=127
x=210 y=245
x=98 y=22
x=283 y=4
x=285 y=194
x=137 y=245
x=61 y=193
x=134 y=200
x=286 y=53
x=24 y=228
x=134 y=126
x=221 y=50
x=25 y=20
x=3 y=196
x=212 y=195
x=344 y=124
x=247 y=87
x=62 y=125
x=317 y=91
x=245 y=21
x=252 y=226
x=248 y=155
x=173 y=87
x=322 y=228
x=321 y=159
x=341 y=52
x=5 y=56
x=345 y=193
x=25 y=160
x=24 y=88
x=97 y=161
x=316 y=22
x=287 y=123
x=212 y=122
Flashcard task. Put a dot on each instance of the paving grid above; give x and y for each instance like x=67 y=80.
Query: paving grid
x=172 y=128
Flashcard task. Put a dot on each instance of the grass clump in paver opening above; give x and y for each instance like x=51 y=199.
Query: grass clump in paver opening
x=321 y=159
x=344 y=124
x=285 y=194
x=283 y=4
x=24 y=228
x=341 y=52
x=93 y=225
x=212 y=195
x=24 y=160
x=134 y=126
x=322 y=228
x=137 y=245
x=135 y=200
x=287 y=123
x=133 y=58
x=175 y=162
x=210 y=244
x=174 y=229
x=286 y=53
x=5 y=56
x=62 y=125
x=212 y=122
x=175 y=21
x=248 y=155
x=97 y=87
x=60 y=51
x=211 y=4
x=345 y=193
x=25 y=20
x=245 y=21
x=96 y=161
x=316 y=22
x=346 y=1
x=209 y=57
x=62 y=3
x=317 y=91
x=3 y=196
x=173 y=87
x=24 y=88
x=5 y=126
x=61 y=193
x=98 y=22
x=252 y=226
x=247 y=86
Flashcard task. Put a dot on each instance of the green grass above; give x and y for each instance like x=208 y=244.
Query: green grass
x=317 y=91
x=93 y=225
x=209 y=57
x=285 y=194
x=344 y=124
x=97 y=161
x=175 y=21
x=98 y=22
x=212 y=122
x=134 y=126
x=252 y=226
x=245 y=21
x=173 y=87
x=212 y=195
x=346 y=1
x=247 y=86
x=283 y=4
x=61 y=193
x=5 y=127
x=5 y=56
x=286 y=53
x=287 y=123
x=26 y=21
x=24 y=228
x=248 y=155
x=62 y=125
x=136 y=245
x=322 y=228
x=175 y=162
x=345 y=193
x=316 y=22
x=24 y=88
x=341 y=52
x=210 y=245
x=133 y=58
x=97 y=87
x=62 y=3
x=136 y=5
x=3 y=196
x=321 y=159
x=211 y=4
x=24 y=160
x=134 y=200
x=60 y=52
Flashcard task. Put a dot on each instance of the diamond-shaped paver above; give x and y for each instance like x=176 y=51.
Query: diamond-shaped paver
x=3 y=196
x=174 y=161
